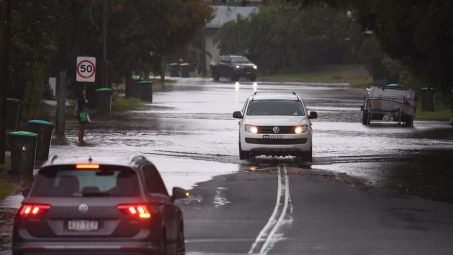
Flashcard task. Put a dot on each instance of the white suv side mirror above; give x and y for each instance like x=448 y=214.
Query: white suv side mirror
x=237 y=115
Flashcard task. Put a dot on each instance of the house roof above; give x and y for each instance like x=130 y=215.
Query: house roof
x=224 y=14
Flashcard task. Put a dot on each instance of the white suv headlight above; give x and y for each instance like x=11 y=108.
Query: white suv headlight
x=251 y=129
x=301 y=129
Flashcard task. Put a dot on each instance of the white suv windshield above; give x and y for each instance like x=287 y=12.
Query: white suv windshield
x=275 y=107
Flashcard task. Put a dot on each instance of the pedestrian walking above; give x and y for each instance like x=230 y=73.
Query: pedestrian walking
x=82 y=114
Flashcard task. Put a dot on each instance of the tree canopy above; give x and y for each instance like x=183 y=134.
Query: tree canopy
x=419 y=34
x=281 y=37
x=47 y=36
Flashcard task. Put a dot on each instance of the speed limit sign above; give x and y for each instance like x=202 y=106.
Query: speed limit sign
x=86 y=69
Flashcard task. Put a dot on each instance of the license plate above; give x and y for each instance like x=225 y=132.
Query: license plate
x=273 y=137
x=82 y=225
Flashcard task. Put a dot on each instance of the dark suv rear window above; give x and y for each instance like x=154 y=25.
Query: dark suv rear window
x=85 y=183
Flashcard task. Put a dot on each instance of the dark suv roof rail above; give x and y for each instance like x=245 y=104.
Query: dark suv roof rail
x=294 y=93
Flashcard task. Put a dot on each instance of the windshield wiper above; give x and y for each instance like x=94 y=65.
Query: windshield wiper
x=95 y=194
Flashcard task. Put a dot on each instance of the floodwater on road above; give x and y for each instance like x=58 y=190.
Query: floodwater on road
x=190 y=129
x=190 y=135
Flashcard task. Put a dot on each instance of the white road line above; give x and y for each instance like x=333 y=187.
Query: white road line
x=264 y=241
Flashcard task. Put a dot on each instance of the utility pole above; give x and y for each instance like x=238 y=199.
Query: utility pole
x=105 y=27
x=202 y=63
x=4 y=64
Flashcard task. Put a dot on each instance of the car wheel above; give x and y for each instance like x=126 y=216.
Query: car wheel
x=215 y=77
x=253 y=78
x=409 y=122
x=234 y=77
x=181 y=245
x=243 y=154
x=163 y=245
x=365 y=118
x=306 y=155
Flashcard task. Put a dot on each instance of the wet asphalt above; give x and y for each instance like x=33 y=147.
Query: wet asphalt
x=380 y=189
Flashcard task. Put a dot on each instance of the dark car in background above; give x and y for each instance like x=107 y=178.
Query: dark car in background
x=99 y=206
x=233 y=67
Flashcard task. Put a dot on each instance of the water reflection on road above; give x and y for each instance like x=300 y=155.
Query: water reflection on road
x=192 y=120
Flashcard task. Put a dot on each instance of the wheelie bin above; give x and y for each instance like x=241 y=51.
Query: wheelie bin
x=184 y=68
x=44 y=130
x=146 y=90
x=23 y=153
x=104 y=96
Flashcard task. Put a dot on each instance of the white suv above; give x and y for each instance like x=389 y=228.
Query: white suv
x=275 y=124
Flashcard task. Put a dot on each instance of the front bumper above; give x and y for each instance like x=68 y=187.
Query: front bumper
x=245 y=72
x=286 y=144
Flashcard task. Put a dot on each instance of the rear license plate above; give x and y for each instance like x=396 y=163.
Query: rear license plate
x=273 y=137
x=82 y=225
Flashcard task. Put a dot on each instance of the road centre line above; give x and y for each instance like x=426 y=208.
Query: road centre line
x=263 y=244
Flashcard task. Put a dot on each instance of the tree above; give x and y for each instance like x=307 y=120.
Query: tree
x=154 y=29
x=35 y=29
x=419 y=34
x=5 y=28
x=281 y=37
x=46 y=36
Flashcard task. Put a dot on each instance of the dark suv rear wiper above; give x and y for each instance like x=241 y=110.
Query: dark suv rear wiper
x=95 y=194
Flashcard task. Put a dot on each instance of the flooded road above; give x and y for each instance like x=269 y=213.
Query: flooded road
x=192 y=120
x=367 y=185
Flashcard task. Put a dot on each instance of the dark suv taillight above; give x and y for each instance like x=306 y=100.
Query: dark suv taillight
x=138 y=211
x=33 y=210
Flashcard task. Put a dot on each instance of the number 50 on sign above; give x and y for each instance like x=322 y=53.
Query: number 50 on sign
x=86 y=69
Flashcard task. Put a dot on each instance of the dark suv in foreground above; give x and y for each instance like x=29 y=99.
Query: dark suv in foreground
x=233 y=67
x=99 y=206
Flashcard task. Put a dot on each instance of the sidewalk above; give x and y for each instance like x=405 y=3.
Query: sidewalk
x=6 y=228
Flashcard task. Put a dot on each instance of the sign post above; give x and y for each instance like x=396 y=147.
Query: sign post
x=86 y=69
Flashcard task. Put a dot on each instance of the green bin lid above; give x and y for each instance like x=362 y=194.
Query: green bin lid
x=174 y=64
x=42 y=122
x=145 y=82
x=104 y=90
x=23 y=134
x=13 y=100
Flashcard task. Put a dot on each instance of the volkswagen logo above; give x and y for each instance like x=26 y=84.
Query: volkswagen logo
x=83 y=208
x=276 y=130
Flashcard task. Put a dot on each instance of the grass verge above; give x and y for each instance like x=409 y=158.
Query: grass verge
x=441 y=113
x=355 y=75
x=7 y=186
x=122 y=104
